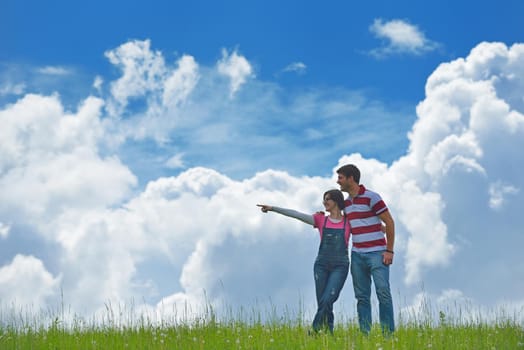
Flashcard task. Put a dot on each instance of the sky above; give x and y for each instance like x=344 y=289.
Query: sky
x=136 y=139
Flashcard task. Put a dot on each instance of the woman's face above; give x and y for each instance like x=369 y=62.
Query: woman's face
x=329 y=204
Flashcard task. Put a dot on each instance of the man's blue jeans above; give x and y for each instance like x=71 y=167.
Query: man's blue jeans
x=329 y=280
x=365 y=266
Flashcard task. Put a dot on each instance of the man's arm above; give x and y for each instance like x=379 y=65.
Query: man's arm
x=390 y=236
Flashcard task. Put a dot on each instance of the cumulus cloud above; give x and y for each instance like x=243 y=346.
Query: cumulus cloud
x=197 y=237
x=455 y=144
x=106 y=253
x=400 y=37
x=26 y=282
x=49 y=159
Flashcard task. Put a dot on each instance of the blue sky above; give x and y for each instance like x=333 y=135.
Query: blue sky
x=124 y=124
x=332 y=39
x=335 y=44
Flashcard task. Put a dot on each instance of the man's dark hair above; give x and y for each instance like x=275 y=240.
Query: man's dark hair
x=350 y=170
x=337 y=196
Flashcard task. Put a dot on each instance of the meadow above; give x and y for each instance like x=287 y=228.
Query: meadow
x=40 y=331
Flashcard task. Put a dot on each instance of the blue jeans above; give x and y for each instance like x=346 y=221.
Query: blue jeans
x=329 y=280
x=365 y=266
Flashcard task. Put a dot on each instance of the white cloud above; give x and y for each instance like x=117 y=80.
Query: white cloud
x=52 y=70
x=143 y=71
x=26 y=282
x=104 y=250
x=449 y=306
x=298 y=67
x=199 y=234
x=400 y=37
x=176 y=161
x=100 y=254
x=159 y=88
x=181 y=82
x=454 y=151
x=498 y=192
x=237 y=68
x=12 y=89
x=455 y=144
x=4 y=230
x=49 y=160
x=453 y=306
x=427 y=242
x=98 y=82
x=184 y=307
x=190 y=108
x=37 y=125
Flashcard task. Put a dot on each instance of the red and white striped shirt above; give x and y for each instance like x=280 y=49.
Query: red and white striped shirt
x=366 y=227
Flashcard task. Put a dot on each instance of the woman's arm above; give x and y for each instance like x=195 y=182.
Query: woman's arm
x=307 y=218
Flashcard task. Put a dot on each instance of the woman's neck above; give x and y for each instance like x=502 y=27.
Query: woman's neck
x=335 y=214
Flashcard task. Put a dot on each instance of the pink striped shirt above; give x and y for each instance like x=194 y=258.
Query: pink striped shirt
x=362 y=212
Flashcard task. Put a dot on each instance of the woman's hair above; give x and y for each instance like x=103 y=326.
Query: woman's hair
x=337 y=196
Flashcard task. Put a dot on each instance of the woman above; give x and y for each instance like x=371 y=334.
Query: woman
x=332 y=263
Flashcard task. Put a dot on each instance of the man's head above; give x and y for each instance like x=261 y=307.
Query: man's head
x=347 y=175
x=349 y=170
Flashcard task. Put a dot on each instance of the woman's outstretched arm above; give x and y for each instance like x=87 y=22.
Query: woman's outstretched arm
x=307 y=218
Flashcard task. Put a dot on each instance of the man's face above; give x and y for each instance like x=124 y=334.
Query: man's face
x=343 y=182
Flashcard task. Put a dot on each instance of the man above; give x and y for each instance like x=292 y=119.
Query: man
x=371 y=252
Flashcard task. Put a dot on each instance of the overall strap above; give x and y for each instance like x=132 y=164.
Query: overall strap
x=325 y=222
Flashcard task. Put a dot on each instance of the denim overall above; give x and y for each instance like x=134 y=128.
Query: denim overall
x=331 y=270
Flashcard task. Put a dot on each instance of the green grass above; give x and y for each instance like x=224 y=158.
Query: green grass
x=258 y=336
x=235 y=332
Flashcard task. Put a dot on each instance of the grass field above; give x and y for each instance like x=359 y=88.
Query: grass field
x=25 y=331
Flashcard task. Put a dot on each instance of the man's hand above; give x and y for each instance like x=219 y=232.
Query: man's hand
x=387 y=258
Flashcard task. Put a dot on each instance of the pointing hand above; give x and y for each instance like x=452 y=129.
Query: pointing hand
x=265 y=208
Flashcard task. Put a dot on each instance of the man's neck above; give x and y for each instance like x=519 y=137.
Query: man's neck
x=353 y=191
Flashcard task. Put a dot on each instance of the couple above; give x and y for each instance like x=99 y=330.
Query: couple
x=360 y=215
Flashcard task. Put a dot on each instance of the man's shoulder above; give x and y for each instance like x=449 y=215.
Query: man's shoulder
x=366 y=192
x=372 y=198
